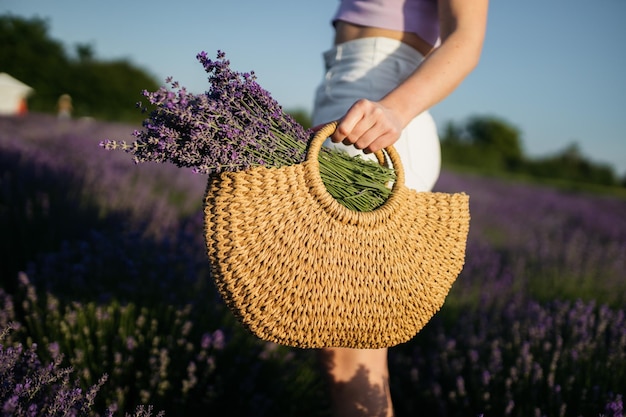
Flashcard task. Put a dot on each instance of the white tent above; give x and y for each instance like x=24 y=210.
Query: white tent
x=13 y=94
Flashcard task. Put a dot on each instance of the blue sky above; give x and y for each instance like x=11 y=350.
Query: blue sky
x=552 y=68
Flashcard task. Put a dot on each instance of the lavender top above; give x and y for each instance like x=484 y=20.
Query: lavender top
x=417 y=16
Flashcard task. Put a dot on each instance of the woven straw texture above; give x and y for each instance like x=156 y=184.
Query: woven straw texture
x=299 y=269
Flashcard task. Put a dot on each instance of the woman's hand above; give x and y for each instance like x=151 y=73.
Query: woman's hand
x=369 y=126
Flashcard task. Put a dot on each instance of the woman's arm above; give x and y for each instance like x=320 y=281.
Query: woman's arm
x=374 y=125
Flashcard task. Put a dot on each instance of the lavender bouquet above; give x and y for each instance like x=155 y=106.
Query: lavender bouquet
x=236 y=125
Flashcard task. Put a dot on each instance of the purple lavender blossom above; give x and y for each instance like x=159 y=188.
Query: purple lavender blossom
x=233 y=126
x=236 y=125
x=615 y=407
x=30 y=387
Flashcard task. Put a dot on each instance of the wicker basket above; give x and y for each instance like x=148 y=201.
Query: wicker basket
x=297 y=268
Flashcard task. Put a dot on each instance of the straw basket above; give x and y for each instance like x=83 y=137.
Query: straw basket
x=298 y=268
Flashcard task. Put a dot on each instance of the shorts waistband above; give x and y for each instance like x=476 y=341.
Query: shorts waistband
x=375 y=49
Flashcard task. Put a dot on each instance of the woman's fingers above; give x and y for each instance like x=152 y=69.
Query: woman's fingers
x=352 y=124
x=368 y=126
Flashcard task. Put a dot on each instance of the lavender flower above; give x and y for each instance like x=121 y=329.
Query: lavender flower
x=31 y=388
x=615 y=408
x=236 y=125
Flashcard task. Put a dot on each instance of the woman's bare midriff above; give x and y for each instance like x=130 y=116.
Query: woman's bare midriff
x=345 y=32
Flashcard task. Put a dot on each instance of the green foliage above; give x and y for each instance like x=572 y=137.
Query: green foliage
x=109 y=90
x=100 y=89
x=497 y=137
x=301 y=116
x=571 y=164
x=105 y=90
x=486 y=142
x=491 y=145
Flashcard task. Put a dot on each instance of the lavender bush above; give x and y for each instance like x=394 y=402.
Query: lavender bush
x=526 y=359
x=116 y=281
x=53 y=191
x=31 y=388
x=541 y=243
x=168 y=357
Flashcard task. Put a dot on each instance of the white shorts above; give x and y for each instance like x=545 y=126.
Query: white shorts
x=369 y=68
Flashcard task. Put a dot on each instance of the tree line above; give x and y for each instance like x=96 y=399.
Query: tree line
x=105 y=90
x=108 y=90
x=493 y=145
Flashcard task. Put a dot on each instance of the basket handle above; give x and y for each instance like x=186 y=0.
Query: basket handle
x=328 y=129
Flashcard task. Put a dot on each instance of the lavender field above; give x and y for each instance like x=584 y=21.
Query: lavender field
x=103 y=273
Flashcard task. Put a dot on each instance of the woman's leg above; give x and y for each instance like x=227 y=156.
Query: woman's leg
x=358 y=380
